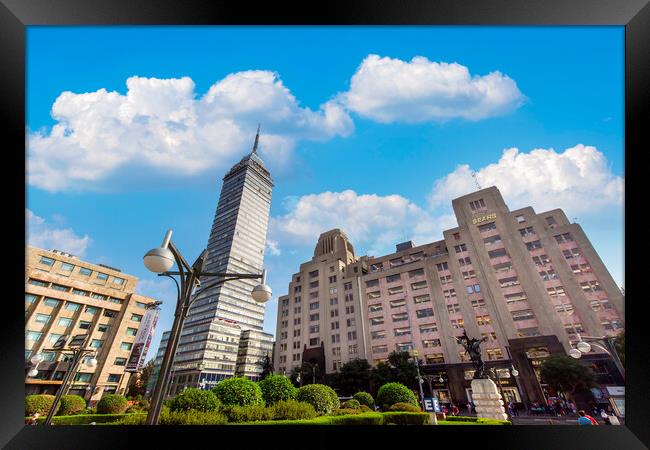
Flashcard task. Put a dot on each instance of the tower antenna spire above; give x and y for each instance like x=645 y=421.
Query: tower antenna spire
x=257 y=139
x=476 y=180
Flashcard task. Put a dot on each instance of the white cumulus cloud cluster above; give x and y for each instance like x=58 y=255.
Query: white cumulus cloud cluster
x=47 y=236
x=372 y=222
x=578 y=180
x=391 y=90
x=160 y=124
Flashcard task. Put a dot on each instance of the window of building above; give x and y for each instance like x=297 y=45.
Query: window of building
x=376 y=320
x=457 y=236
x=489 y=336
x=478 y=303
x=556 y=291
x=84 y=325
x=349 y=297
x=314 y=341
x=395 y=290
x=571 y=253
x=64 y=322
x=460 y=248
x=526 y=314
x=550 y=220
x=483 y=320
x=114 y=378
x=332 y=279
x=109 y=313
x=42 y=318
x=380 y=348
x=399 y=317
x=565 y=237
x=314 y=329
x=442 y=266
x=541 y=260
x=393 y=278
x=381 y=334
x=352 y=335
x=429 y=343
x=313 y=306
x=457 y=323
x=396 y=262
x=336 y=338
x=428 y=328
x=59 y=287
x=297 y=289
x=67 y=266
x=494 y=353
x=126 y=345
x=450 y=293
x=349 y=310
x=351 y=322
x=533 y=245
x=453 y=308
x=85 y=272
x=51 y=302
x=498 y=253
x=33 y=335
x=421 y=299
x=372 y=283
x=520 y=219
x=296 y=321
x=98 y=296
x=526 y=231
x=548 y=275
x=102 y=276
x=313 y=274
x=119 y=281
x=446 y=279
x=464 y=261
x=477 y=205
x=83 y=377
x=347 y=286
x=398 y=303
x=375 y=308
x=96 y=343
x=37 y=282
x=117 y=300
x=514 y=298
x=334 y=313
x=335 y=325
x=528 y=332
x=314 y=317
x=131 y=331
x=419 y=285
x=435 y=358
x=47 y=261
x=103 y=328
x=509 y=281
x=487 y=227
x=136 y=317
x=119 y=362
x=313 y=284
x=427 y=312
x=53 y=338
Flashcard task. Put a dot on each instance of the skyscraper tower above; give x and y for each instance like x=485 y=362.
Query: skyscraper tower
x=210 y=336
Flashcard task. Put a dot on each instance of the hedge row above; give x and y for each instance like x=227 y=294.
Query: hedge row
x=370 y=418
x=86 y=419
x=467 y=420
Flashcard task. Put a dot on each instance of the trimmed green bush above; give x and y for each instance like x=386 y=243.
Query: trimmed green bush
x=192 y=417
x=86 y=419
x=351 y=404
x=346 y=411
x=372 y=418
x=318 y=396
x=276 y=388
x=238 y=391
x=195 y=399
x=365 y=408
x=405 y=418
x=38 y=403
x=133 y=419
x=404 y=407
x=292 y=410
x=336 y=403
x=365 y=399
x=112 y=404
x=391 y=393
x=71 y=404
x=251 y=413
x=458 y=420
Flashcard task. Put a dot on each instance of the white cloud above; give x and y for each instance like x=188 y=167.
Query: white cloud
x=578 y=180
x=44 y=235
x=391 y=90
x=161 y=125
x=273 y=247
x=373 y=223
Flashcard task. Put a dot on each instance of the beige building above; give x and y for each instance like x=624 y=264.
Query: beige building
x=67 y=296
x=528 y=282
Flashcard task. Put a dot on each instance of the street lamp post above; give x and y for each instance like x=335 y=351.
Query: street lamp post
x=585 y=343
x=77 y=355
x=160 y=260
x=420 y=379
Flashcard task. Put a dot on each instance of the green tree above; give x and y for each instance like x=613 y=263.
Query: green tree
x=139 y=380
x=267 y=366
x=567 y=374
x=354 y=376
x=619 y=343
x=405 y=370
x=380 y=375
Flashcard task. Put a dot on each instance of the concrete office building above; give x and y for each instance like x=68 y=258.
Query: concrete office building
x=527 y=281
x=208 y=347
x=254 y=346
x=67 y=296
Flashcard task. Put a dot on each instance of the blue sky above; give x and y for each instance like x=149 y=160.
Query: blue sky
x=349 y=117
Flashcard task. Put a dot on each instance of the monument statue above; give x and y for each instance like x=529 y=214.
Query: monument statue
x=473 y=348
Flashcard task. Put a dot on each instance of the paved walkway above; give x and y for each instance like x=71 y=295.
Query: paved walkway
x=553 y=420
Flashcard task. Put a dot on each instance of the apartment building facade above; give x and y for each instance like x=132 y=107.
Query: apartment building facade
x=528 y=282
x=67 y=296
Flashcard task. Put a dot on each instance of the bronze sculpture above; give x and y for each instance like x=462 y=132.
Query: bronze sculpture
x=473 y=348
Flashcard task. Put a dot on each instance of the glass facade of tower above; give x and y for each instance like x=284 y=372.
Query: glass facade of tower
x=208 y=348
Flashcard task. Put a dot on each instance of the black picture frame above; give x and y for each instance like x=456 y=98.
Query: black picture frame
x=634 y=15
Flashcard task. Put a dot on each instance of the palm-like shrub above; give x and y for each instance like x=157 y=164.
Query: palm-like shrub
x=71 y=404
x=238 y=391
x=276 y=388
x=194 y=399
x=112 y=404
x=364 y=398
x=318 y=396
x=391 y=393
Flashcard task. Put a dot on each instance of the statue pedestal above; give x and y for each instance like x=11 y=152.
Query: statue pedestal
x=487 y=400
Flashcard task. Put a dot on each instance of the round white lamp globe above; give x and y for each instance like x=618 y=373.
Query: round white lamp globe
x=584 y=347
x=261 y=293
x=37 y=358
x=159 y=260
x=32 y=373
x=575 y=353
